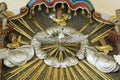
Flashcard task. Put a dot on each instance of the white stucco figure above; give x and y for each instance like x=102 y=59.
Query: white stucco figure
x=3 y=15
x=57 y=35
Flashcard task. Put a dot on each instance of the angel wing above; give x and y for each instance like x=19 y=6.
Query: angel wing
x=75 y=39
x=47 y=39
x=19 y=39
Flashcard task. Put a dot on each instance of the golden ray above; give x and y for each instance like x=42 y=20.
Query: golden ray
x=48 y=47
x=61 y=56
x=84 y=76
x=56 y=54
x=68 y=74
x=18 y=29
x=48 y=73
x=22 y=21
x=101 y=36
x=65 y=53
x=37 y=24
x=24 y=66
x=85 y=26
x=72 y=48
x=38 y=73
x=55 y=75
x=73 y=73
x=19 y=69
x=103 y=75
x=29 y=71
x=70 y=52
x=51 y=49
x=61 y=74
x=97 y=28
x=72 y=44
x=91 y=74
x=51 y=53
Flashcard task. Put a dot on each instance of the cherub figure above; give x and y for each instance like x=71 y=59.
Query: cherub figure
x=15 y=42
x=117 y=22
x=106 y=48
x=60 y=18
x=3 y=15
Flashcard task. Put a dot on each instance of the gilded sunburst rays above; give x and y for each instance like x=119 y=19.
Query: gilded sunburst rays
x=54 y=51
x=38 y=66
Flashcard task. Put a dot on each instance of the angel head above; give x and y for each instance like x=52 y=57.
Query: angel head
x=13 y=37
x=59 y=13
x=118 y=14
x=3 y=6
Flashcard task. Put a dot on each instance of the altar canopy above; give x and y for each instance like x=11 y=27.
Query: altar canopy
x=73 y=4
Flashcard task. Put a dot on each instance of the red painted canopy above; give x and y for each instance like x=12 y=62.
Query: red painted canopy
x=73 y=4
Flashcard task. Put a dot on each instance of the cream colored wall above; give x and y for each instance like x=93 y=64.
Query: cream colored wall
x=106 y=6
x=103 y=6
